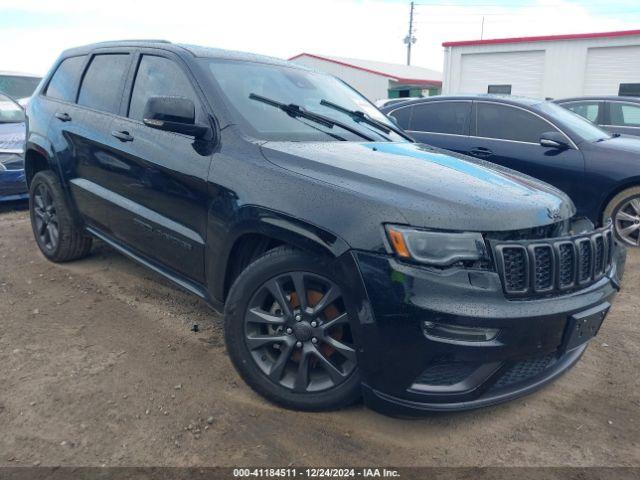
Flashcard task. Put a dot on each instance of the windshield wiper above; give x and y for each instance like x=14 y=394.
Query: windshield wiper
x=294 y=111
x=360 y=116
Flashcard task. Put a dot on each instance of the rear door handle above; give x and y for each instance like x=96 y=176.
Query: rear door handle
x=481 y=152
x=123 y=136
x=63 y=117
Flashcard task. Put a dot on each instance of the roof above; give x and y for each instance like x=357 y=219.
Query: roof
x=195 y=50
x=508 y=99
x=400 y=73
x=617 y=98
x=544 y=38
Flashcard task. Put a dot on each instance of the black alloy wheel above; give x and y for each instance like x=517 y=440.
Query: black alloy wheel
x=46 y=218
x=295 y=330
x=289 y=331
x=58 y=234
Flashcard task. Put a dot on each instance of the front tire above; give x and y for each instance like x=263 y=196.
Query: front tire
x=624 y=210
x=288 y=332
x=58 y=236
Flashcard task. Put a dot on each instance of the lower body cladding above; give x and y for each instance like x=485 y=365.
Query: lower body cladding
x=13 y=186
x=450 y=340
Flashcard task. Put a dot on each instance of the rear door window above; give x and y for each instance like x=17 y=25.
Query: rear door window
x=503 y=122
x=402 y=116
x=64 y=83
x=588 y=110
x=624 y=114
x=103 y=81
x=442 y=117
x=158 y=76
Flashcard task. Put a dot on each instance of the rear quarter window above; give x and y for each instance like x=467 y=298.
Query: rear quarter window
x=442 y=117
x=402 y=116
x=64 y=82
x=103 y=82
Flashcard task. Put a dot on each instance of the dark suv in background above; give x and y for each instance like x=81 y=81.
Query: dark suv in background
x=600 y=171
x=348 y=259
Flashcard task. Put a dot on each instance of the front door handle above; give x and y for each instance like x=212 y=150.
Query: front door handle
x=123 y=136
x=63 y=117
x=481 y=152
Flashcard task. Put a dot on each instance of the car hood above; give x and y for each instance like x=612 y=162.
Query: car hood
x=429 y=187
x=12 y=136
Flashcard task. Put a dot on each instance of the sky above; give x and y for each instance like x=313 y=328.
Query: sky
x=34 y=32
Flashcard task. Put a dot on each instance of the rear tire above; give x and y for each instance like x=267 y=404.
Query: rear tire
x=58 y=236
x=624 y=210
x=294 y=358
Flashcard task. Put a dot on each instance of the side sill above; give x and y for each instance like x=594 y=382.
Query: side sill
x=178 y=280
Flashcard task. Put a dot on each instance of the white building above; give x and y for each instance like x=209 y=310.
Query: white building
x=376 y=80
x=552 y=66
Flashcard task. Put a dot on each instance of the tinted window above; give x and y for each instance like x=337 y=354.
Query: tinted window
x=157 y=76
x=588 y=110
x=624 y=114
x=509 y=123
x=101 y=87
x=10 y=111
x=18 y=87
x=442 y=117
x=629 y=90
x=64 y=82
x=402 y=116
x=499 y=89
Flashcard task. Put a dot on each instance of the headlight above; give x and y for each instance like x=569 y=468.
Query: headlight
x=436 y=248
x=11 y=161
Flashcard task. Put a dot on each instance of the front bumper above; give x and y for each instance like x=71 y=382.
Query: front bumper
x=13 y=185
x=405 y=371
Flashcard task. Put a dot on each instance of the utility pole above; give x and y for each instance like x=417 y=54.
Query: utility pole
x=482 y=28
x=410 y=39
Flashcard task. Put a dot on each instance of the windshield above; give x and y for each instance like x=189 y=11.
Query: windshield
x=10 y=111
x=579 y=125
x=240 y=83
x=18 y=87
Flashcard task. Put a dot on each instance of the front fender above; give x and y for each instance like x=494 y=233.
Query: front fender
x=252 y=219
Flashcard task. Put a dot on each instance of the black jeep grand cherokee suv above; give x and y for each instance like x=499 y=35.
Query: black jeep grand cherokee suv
x=349 y=260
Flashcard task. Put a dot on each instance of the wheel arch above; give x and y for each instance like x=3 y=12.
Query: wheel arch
x=258 y=231
x=37 y=157
x=628 y=183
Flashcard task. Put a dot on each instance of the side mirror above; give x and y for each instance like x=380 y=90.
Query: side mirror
x=173 y=114
x=554 y=140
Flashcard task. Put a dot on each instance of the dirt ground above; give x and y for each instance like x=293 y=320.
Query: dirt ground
x=99 y=366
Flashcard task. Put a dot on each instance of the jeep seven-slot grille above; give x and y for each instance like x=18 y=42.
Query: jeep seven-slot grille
x=537 y=267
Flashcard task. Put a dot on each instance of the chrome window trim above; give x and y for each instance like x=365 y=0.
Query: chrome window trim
x=571 y=142
x=475 y=136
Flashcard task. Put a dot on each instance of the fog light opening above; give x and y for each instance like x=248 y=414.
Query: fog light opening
x=459 y=333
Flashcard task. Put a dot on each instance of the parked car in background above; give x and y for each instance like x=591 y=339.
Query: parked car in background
x=600 y=171
x=19 y=86
x=611 y=113
x=385 y=102
x=349 y=260
x=12 y=134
